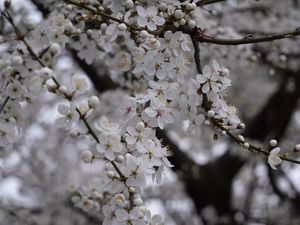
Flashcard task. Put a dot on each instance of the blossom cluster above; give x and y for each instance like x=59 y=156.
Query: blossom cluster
x=147 y=46
x=164 y=69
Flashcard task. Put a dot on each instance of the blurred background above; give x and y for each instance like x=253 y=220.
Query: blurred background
x=213 y=181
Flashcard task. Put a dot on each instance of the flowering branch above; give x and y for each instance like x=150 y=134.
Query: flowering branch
x=35 y=57
x=93 y=10
x=236 y=138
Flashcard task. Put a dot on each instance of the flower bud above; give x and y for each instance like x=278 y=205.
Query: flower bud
x=120 y=199
x=297 y=148
x=225 y=72
x=110 y=174
x=162 y=7
x=191 y=24
x=129 y=4
x=140 y=126
x=75 y=199
x=93 y=102
x=137 y=201
x=154 y=43
x=241 y=126
x=190 y=6
x=54 y=48
x=210 y=113
x=178 y=14
x=273 y=143
x=246 y=145
x=182 y=22
x=122 y=27
x=241 y=137
x=87 y=156
x=131 y=189
x=63 y=89
x=16 y=60
x=120 y=158
x=144 y=34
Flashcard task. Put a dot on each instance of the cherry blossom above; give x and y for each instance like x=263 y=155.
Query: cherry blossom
x=149 y=49
x=109 y=145
x=158 y=114
x=149 y=18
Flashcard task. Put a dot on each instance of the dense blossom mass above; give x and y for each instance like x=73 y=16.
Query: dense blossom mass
x=150 y=47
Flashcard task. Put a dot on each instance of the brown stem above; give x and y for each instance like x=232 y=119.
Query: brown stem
x=248 y=40
x=208 y=2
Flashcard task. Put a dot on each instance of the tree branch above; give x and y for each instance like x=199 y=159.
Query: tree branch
x=208 y=2
x=247 y=40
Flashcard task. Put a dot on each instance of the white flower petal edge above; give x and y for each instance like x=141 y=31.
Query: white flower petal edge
x=274 y=159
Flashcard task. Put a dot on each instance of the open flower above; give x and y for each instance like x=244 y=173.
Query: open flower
x=158 y=114
x=107 y=127
x=68 y=116
x=148 y=17
x=274 y=159
x=208 y=80
x=109 y=145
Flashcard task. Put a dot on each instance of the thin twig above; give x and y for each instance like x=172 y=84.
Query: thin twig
x=4 y=103
x=248 y=40
x=93 y=10
x=208 y=2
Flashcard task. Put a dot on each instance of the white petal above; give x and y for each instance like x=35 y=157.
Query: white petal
x=275 y=151
x=216 y=66
x=141 y=11
x=130 y=140
x=142 y=21
x=63 y=109
x=152 y=11
x=160 y=122
x=100 y=148
x=151 y=26
x=205 y=88
x=159 y=20
x=206 y=71
x=118 y=147
x=150 y=112
x=168 y=118
x=199 y=119
x=131 y=130
x=201 y=79
x=109 y=155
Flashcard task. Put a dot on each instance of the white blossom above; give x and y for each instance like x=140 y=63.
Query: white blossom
x=69 y=116
x=109 y=145
x=149 y=18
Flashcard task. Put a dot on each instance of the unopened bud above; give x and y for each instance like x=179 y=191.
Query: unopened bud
x=137 y=201
x=93 y=101
x=246 y=145
x=87 y=156
x=273 y=143
x=241 y=126
x=241 y=138
x=297 y=148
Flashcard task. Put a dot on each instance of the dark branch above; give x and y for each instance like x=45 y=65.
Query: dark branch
x=248 y=40
x=208 y=2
